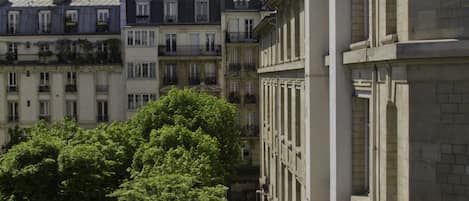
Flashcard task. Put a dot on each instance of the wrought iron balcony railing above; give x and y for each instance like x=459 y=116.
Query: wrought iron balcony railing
x=211 y=80
x=12 y=89
x=240 y=37
x=102 y=88
x=102 y=26
x=44 y=117
x=170 y=18
x=250 y=98
x=13 y=118
x=44 y=88
x=70 y=26
x=189 y=50
x=250 y=131
x=234 y=67
x=194 y=80
x=202 y=18
x=102 y=118
x=142 y=19
x=250 y=67
x=71 y=88
x=170 y=80
x=234 y=97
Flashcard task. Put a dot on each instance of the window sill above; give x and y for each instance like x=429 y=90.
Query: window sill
x=360 y=198
x=360 y=45
x=388 y=39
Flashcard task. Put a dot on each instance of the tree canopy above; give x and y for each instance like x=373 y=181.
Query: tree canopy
x=181 y=147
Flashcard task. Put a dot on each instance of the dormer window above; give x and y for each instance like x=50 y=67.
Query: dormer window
x=44 y=21
x=13 y=21
x=241 y=3
x=102 y=20
x=71 y=21
x=143 y=11
x=170 y=11
x=201 y=11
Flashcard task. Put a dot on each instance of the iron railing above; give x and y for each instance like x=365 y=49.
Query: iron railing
x=190 y=50
x=211 y=80
x=44 y=117
x=234 y=97
x=194 y=80
x=250 y=131
x=12 y=89
x=142 y=19
x=250 y=98
x=170 y=80
x=240 y=37
x=44 y=88
x=71 y=88
x=102 y=118
x=13 y=118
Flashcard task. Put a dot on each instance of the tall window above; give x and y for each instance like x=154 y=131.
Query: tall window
x=143 y=9
x=248 y=28
x=201 y=11
x=102 y=15
x=12 y=51
x=210 y=70
x=170 y=71
x=44 y=79
x=141 y=70
x=12 y=81
x=241 y=3
x=251 y=118
x=102 y=111
x=72 y=78
x=234 y=86
x=170 y=10
x=12 y=111
x=360 y=20
x=194 y=71
x=171 y=42
x=210 y=43
x=136 y=101
x=13 y=21
x=44 y=21
x=250 y=88
x=44 y=109
x=71 y=109
x=141 y=38
x=360 y=146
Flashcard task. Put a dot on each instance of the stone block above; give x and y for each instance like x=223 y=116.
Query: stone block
x=444 y=98
x=462 y=108
x=446 y=118
x=443 y=168
x=459 y=149
x=460 y=189
x=450 y=108
x=465 y=180
x=447 y=188
x=447 y=158
x=462 y=159
x=455 y=98
x=458 y=169
x=459 y=118
x=454 y=179
x=446 y=148
x=445 y=87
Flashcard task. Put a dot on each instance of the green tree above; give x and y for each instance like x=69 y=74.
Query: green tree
x=214 y=116
x=29 y=171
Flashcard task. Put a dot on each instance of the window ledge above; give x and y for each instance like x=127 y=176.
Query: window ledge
x=388 y=39
x=360 y=198
x=360 y=45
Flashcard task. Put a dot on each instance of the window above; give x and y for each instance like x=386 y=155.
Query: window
x=71 y=15
x=141 y=38
x=12 y=81
x=360 y=146
x=141 y=70
x=241 y=3
x=71 y=78
x=44 y=109
x=170 y=10
x=194 y=71
x=250 y=88
x=12 y=51
x=210 y=70
x=248 y=28
x=171 y=42
x=170 y=70
x=102 y=111
x=12 y=111
x=234 y=86
x=71 y=109
x=13 y=21
x=136 y=101
x=201 y=11
x=143 y=9
x=44 y=79
x=102 y=15
x=44 y=48
x=360 y=20
x=210 y=43
x=44 y=21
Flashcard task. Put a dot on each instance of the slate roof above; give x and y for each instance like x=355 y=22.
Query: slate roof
x=50 y=3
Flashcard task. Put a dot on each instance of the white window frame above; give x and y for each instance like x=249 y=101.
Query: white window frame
x=44 y=78
x=102 y=15
x=170 y=71
x=72 y=14
x=141 y=38
x=210 y=42
x=103 y=104
x=44 y=108
x=72 y=78
x=234 y=86
x=171 y=11
x=142 y=8
x=44 y=21
x=12 y=80
x=199 y=11
x=71 y=108
x=13 y=109
x=172 y=38
x=145 y=70
x=194 y=70
x=13 y=20
x=250 y=88
x=248 y=27
x=210 y=70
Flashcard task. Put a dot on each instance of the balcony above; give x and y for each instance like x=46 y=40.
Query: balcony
x=239 y=4
x=250 y=131
x=102 y=88
x=240 y=37
x=234 y=97
x=201 y=18
x=44 y=117
x=12 y=28
x=211 y=80
x=13 y=118
x=70 y=26
x=142 y=19
x=170 y=18
x=189 y=50
x=44 y=88
x=102 y=118
x=44 y=28
x=250 y=67
x=102 y=26
x=234 y=68
x=71 y=88
x=194 y=80
x=170 y=80
x=12 y=89
x=250 y=99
